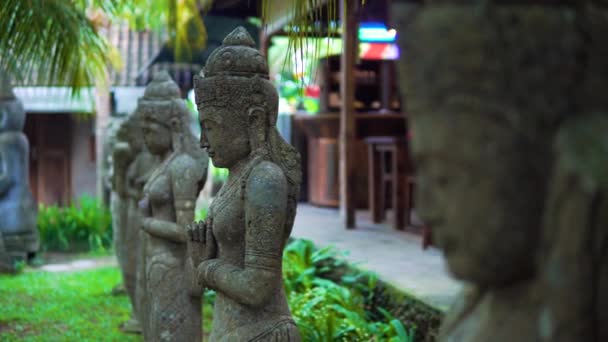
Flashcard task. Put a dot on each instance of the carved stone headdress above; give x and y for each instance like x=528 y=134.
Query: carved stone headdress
x=162 y=101
x=236 y=76
x=161 y=88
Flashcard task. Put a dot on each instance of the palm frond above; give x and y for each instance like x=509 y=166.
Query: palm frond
x=52 y=42
x=304 y=24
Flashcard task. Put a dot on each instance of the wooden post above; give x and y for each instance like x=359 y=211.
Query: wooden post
x=349 y=10
x=265 y=38
x=385 y=86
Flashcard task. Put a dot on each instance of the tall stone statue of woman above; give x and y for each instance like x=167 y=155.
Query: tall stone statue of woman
x=132 y=165
x=170 y=312
x=238 y=249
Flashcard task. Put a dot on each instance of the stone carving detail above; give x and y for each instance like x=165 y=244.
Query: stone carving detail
x=170 y=312
x=18 y=210
x=131 y=165
x=238 y=248
x=509 y=118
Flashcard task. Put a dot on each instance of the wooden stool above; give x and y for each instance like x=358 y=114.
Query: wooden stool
x=394 y=151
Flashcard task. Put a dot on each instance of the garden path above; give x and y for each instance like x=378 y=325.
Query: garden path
x=397 y=257
x=79 y=264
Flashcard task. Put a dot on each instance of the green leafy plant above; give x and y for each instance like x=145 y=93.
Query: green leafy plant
x=200 y=214
x=341 y=310
x=86 y=225
x=302 y=263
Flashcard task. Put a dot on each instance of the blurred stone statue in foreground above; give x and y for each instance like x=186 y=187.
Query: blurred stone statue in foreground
x=131 y=167
x=509 y=118
x=238 y=249
x=171 y=312
x=18 y=210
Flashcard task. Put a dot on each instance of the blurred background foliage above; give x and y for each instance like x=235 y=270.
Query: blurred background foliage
x=80 y=227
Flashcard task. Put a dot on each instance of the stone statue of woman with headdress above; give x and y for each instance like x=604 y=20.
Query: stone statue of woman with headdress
x=131 y=165
x=170 y=312
x=238 y=248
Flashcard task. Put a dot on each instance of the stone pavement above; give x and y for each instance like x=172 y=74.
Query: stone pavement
x=78 y=264
x=397 y=257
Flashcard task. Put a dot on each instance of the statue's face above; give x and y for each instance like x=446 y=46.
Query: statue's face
x=136 y=130
x=157 y=133
x=223 y=135
x=479 y=195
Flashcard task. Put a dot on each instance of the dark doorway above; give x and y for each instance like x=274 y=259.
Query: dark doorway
x=50 y=154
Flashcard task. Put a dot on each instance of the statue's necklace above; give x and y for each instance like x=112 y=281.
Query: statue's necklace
x=159 y=171
x=240 y=176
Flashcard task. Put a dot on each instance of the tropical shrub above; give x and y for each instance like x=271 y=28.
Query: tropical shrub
x=328 y=310
x=82 y=226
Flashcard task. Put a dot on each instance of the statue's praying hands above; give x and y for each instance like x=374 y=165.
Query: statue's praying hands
x=201 y=242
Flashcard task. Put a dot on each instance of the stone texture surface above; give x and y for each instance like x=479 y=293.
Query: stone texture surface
x=6 y=263
x=508 y=114
x=131 y=165
x=238 y=249
x=170 y=311
x=18 y=210
x=109 y=140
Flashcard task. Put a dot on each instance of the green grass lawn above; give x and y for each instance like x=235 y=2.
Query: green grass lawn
x=74 y=306
x=65 y=306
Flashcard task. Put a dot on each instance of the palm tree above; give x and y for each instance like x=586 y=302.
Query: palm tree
x=60 y=42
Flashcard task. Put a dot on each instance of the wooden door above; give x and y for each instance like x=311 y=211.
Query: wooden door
x=50 y=136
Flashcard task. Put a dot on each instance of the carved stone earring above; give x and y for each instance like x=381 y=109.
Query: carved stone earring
x=257 y=128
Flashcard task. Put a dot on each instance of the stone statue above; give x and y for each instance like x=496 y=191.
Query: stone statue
x=132 y=165
x=115 y=201
x=18 y=210
x=238 y=248
x=509 y=119
x=109 y=140
x=171 y=312
x=574 y=254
